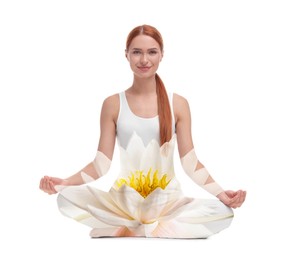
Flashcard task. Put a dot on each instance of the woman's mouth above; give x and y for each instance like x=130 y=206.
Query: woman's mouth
x=144 y=69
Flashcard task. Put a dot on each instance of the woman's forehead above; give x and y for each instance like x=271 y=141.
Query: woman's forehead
x=144 y=42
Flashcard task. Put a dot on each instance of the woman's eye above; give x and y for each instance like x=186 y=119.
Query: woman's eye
x=136 y=52
x=152 y=52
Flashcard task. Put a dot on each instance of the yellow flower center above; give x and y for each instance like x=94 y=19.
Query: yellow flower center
x=144 y=183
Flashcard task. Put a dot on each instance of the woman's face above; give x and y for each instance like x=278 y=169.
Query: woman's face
x=144 y=55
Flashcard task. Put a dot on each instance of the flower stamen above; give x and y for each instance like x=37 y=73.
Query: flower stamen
x=144 y=183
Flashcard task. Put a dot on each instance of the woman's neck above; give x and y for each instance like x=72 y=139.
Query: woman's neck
x=143 y=86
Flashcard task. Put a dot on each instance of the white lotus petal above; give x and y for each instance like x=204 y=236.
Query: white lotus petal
x=101 y=164
x=205 y=210
x=134 y=151
x=173 y=210
x=86 y=178
x=153 y=205
x=160 y=197
x=105 y=199
x=175 y=229
x=79 y=196
x=151 y=157
x=112 y=219
x=83 y=216
x=111 y=232
x=126 y=166
x=128 y=200
x=162 y=204
x=70 y=210
x=167 y=149
x=138 y=157
x=167 y=153
x=174 y=186
x=149 y=228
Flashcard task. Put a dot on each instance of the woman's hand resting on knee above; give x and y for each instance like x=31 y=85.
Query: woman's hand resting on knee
x=47 y=184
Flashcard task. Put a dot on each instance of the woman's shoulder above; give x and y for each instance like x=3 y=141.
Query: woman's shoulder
x=179 y=100
x=112 y=98
x=180 y=106
x=111 y=104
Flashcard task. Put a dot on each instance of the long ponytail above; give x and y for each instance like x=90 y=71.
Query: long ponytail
x=164 y=111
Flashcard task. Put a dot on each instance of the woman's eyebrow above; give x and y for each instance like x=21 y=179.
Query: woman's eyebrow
x=150 y=49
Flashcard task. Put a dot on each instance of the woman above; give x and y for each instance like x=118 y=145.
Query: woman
x=146 y=200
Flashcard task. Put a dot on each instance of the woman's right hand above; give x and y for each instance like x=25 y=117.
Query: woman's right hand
x=47 y=184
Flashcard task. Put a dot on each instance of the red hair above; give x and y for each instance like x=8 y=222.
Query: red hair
x=164 y=111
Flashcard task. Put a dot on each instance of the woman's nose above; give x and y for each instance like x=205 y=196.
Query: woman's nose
x=144 y=58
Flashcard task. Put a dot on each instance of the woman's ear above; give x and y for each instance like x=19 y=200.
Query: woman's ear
x=161 y=56
x=126 y=54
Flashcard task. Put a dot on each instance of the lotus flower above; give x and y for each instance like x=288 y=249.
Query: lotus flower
x=146 y=200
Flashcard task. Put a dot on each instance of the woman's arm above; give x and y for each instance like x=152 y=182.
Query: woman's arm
x=101 y=163
x=192 y=166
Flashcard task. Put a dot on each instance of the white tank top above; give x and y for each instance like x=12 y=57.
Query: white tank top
x=128 y=123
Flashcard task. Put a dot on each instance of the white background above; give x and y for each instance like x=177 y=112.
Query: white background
x=60 y=59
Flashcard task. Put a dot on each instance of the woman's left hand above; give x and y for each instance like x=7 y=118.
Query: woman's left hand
x=233 y=199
